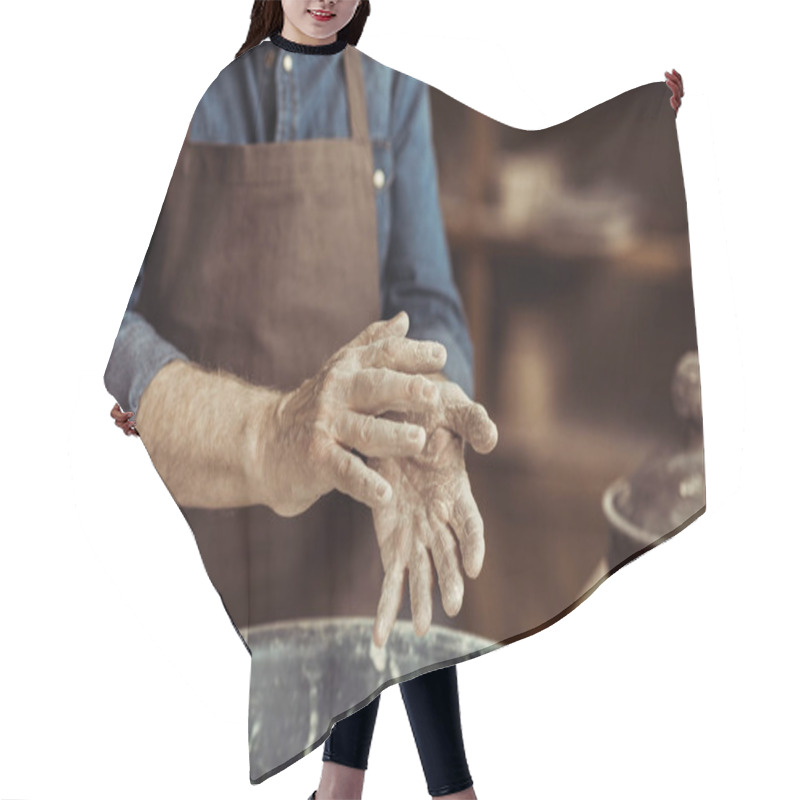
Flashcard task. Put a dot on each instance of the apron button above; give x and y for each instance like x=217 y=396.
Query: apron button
x=378 y=178
x=287 y=63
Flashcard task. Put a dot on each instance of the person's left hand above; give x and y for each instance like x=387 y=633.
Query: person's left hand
x=675 y=82
x=431 y=506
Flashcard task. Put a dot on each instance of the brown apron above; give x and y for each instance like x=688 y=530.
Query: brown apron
x=263 y=263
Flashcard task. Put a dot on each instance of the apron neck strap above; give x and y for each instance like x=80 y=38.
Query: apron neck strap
x=356 y=97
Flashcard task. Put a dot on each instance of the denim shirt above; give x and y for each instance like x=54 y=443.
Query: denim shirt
x=272 y=94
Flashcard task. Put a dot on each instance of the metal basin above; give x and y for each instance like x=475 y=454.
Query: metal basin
x=661 y=498
x=307 y=674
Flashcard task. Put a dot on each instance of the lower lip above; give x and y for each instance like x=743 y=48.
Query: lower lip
x=327 y=18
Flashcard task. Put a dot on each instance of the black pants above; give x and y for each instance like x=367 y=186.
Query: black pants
x=433 y=711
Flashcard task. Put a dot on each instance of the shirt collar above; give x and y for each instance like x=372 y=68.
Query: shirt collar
x=316 y=49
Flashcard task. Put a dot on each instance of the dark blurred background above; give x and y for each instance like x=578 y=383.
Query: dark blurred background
x=570 y=248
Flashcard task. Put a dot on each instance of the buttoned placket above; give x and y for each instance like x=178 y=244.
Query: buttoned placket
x=286 y=94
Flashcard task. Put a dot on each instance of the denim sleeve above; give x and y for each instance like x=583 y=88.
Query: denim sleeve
x=418 y=276
x=138 y=354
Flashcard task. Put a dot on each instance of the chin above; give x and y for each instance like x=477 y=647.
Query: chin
x=316 y=38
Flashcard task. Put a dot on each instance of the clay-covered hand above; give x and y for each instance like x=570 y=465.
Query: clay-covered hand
x=124 y=420
x=675 y=82
x=311 y=432
x=431 y=510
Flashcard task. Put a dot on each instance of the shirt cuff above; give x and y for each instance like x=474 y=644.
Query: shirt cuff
x=138 y=354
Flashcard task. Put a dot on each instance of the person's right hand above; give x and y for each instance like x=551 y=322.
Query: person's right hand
x=311 y=431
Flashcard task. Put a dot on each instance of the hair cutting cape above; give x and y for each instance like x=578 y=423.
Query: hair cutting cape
x=569 y=247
